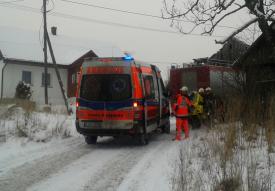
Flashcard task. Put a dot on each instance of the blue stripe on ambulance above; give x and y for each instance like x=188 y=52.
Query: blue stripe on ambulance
x=106 y=105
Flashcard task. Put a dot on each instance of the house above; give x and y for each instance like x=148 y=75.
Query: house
x=258 y=63
x=22 y=59
x=227 y=55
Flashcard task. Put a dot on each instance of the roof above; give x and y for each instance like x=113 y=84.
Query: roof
x=246 y=54
x=254 y=46
x=21 y=44
x=229 y=53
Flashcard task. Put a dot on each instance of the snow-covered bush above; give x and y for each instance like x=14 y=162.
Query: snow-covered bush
x=37 y=126
x=23 y=91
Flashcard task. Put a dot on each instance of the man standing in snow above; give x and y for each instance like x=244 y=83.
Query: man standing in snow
x=181 y=108
x=209 y=102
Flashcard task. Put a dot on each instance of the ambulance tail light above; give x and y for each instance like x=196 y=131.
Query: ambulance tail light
x=77 y=108
x=138 y=111
x=77 y=104
x=135 y=104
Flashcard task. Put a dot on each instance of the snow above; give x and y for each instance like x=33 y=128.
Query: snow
x=76 y=178
x=154 y=167
x=20 y=151
x=54 y=159
x=16 y=43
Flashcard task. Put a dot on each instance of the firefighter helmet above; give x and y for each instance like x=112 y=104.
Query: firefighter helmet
x=201 y=90
x=208 y=89
x=184 y=89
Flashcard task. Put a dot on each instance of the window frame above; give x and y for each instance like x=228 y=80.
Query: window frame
x=26 y=72
x=101 y=77
x=152 y=94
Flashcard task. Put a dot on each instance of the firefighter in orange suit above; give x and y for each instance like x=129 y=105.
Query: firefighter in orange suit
x=181 y=108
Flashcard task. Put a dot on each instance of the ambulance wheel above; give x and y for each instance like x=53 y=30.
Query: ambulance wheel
x=166 y=128
x=143 y=139
x=90 y=140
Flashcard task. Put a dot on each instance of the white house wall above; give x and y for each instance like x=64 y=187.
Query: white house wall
x=13 y=74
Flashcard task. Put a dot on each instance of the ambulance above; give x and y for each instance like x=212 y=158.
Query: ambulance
x=120 y=96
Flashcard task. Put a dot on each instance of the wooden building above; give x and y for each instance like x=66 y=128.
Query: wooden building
x=258 y=63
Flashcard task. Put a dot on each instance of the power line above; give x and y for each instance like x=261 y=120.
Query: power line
x=137 y=13
x=143 y=14
x=22 y=8
x=68 y=16
x=112 y=9
x=12 y=1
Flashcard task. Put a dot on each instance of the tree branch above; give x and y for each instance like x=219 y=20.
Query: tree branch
x=237 y=31
x=218 y=21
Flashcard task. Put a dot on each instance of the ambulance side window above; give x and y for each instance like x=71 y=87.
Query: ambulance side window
x=163 y=89
x=149 y=87
x=156 y=87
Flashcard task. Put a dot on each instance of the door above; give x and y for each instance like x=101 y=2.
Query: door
x=151 y=102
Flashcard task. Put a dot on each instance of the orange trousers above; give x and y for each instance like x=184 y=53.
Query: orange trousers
x=182 y=124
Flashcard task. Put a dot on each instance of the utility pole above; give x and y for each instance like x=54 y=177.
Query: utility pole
x=45 y=52
x=47 y=41
x=57 y=73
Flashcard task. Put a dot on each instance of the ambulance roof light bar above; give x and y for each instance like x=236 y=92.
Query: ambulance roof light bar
x=127 y=57
x=110 y=59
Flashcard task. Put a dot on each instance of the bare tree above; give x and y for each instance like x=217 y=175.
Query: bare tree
x=208 y=14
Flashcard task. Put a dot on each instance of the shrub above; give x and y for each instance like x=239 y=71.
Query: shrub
x=23 y=91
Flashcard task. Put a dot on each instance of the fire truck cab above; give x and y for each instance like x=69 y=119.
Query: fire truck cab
x=120 y=96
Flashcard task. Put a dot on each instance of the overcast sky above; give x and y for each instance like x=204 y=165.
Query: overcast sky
x=160 y=47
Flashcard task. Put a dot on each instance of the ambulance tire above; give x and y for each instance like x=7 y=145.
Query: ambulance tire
x=143 y=139
x=90 y=140
x=166 y=128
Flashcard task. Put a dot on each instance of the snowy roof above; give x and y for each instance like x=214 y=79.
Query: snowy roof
x=24 y=44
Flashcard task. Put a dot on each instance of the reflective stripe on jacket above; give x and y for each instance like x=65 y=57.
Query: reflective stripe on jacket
x=181 y=107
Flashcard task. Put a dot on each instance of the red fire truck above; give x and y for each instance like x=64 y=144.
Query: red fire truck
x=219 y=78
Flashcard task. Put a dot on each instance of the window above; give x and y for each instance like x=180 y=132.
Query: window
x=48 y=79
x=149 y=87
x=106 y=87
x=163 y=89
x=27 y=77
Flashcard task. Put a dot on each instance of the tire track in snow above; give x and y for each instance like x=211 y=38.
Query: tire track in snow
x=16 y=155
x=79 y=173
x=22 y=177
x=110 y=176
x=113 y=173
x=148 y=168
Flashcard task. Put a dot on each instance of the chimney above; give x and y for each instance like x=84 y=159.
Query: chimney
x=54 y=31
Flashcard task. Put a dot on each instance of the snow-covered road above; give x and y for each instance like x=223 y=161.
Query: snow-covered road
x=70 y=164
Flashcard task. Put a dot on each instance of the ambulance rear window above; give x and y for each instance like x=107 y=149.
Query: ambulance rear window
x=106 y=87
